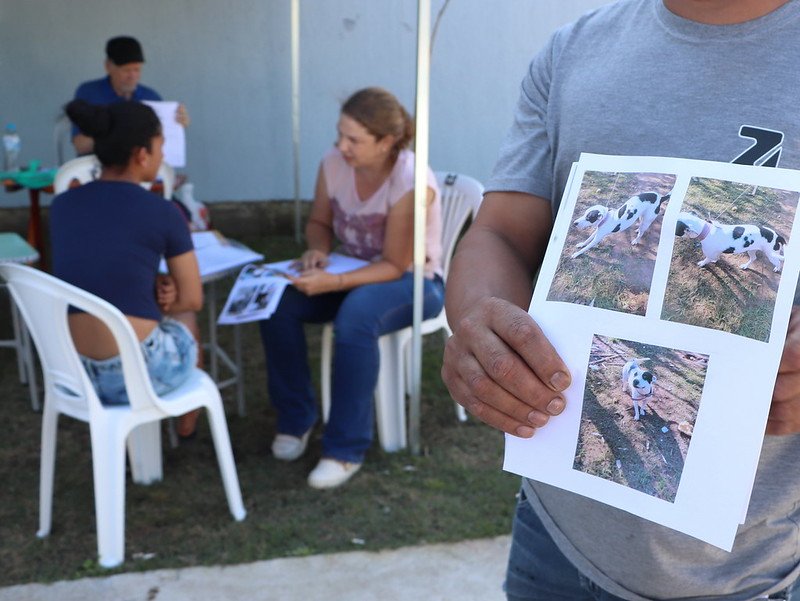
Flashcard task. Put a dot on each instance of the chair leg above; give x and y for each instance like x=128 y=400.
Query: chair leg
x=390 y=402
x=326 y=351
x=227 y=467
x=30 y=364
x=144 y=453
x=47 y=469
x=237 y=354
x=108 y=464
x=19 y=345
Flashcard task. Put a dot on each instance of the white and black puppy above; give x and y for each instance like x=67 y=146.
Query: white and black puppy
x=716 y=239
x=640 y=384
x=644 y=208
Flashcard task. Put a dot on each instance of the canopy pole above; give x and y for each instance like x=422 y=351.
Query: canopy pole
x=420 y=212
x=295 y=42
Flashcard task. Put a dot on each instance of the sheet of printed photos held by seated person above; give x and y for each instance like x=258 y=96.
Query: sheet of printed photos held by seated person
x=676 y=279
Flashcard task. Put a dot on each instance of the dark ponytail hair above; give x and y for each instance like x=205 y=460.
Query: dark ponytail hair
x=380 y=112
x=117 y=129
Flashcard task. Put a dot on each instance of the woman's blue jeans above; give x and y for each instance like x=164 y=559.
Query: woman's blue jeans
x=538 y=571
x=360 y=316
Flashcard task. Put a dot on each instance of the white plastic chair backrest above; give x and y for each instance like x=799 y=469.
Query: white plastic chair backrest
x=461 y=197
x=87 y=168
x=84 y=169
x=62 y=139
x=167 y=176
x=43 y=301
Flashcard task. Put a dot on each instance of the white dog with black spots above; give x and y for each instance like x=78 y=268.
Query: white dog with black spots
x=644 y=208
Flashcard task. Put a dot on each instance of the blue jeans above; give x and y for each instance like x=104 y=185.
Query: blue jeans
x=170 y=353
x=360 y=316
x=538 y=571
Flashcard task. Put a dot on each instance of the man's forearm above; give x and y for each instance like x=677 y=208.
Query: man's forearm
x=485 y=266
x=500 y=253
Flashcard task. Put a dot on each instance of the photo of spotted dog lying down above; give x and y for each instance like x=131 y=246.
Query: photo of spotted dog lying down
x=610 y=249
x=640 y=405
x=728 y=253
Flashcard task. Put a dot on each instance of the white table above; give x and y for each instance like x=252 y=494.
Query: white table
x=216 y=260
x=216 y=263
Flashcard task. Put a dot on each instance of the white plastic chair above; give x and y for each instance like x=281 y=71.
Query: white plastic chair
x=62 y=139
x=43 y=301
x=461 y=197
x=14 y=249
x=87 y=168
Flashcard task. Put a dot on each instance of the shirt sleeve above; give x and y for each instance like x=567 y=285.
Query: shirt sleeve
x=525 y=161
x=178 y=239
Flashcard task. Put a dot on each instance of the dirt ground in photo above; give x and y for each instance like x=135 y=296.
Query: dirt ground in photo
x=639 y=454
x=614 y=274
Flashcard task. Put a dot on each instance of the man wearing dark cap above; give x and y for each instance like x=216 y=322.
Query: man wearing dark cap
x=124 y=60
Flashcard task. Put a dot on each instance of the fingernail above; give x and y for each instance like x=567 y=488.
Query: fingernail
x=559 y=381
x=524 y=432
x=555 y=406
x=537 y=419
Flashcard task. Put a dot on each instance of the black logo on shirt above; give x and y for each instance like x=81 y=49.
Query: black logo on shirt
x=765 y=150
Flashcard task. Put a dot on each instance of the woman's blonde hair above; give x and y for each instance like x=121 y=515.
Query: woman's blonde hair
x=382 y=115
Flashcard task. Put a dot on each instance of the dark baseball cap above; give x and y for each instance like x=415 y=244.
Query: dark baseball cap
x=123 y=50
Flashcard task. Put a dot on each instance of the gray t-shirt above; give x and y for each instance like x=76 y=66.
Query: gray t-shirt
x=633 y=78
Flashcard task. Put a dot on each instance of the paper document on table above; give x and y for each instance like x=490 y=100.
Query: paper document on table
x=672 y=332
x=258 y=289
x=216 y=255
x=174 y=135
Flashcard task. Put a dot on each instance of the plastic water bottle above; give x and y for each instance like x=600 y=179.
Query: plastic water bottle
x=11 y=148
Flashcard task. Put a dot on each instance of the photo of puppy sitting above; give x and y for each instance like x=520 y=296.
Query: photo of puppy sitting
x=639 y=383
x=716 y=238
x=643 y=207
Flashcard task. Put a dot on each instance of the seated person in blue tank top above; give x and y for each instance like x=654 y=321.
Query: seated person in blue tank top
x=108 y=237
x=123 y=65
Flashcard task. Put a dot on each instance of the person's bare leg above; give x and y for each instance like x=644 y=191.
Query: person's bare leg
x=187 y=423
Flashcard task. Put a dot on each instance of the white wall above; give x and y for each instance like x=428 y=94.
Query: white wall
x=229 y=62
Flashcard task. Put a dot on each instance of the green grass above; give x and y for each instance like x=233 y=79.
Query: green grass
x=454 y=490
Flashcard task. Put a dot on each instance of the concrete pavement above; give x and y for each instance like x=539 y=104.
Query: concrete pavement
x=465 y=571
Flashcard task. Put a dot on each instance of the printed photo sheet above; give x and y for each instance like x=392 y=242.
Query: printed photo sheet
x=666 y=288
x=258 y=288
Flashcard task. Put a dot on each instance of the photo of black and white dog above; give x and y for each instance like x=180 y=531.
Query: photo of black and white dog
x=643 y=208
x=639 y=383
x=716 y=239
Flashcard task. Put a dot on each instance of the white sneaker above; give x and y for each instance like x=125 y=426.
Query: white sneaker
x=331 y=473
x=288 y=448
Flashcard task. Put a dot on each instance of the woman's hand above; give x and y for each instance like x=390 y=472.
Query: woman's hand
x=318 y=281
x=166 y=292
x=312 y=259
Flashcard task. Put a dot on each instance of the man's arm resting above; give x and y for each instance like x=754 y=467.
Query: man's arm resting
x=498 y=364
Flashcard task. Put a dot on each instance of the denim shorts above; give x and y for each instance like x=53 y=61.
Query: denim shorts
x=170 y=353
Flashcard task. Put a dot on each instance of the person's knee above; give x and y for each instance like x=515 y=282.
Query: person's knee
x=356 y=320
